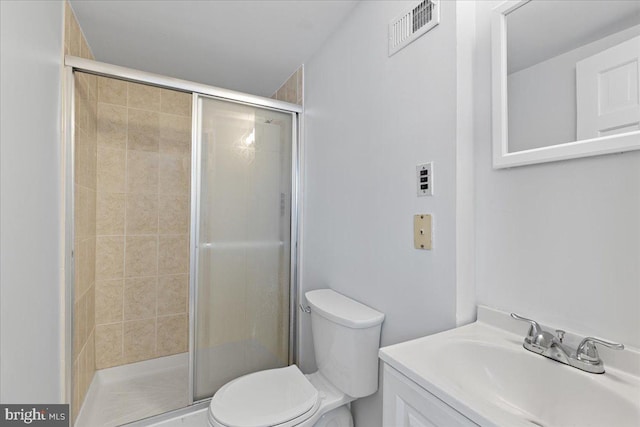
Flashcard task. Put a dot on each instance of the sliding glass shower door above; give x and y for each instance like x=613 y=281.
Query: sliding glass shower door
x=243 y=242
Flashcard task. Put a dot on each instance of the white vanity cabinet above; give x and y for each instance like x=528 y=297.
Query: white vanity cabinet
x=406 y=404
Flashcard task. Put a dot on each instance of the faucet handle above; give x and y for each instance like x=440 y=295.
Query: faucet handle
x=535 y=328
x=536 y=336
x=587 y=351
x=560 y=334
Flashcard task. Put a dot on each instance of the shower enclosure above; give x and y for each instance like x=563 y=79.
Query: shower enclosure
x=238 y=171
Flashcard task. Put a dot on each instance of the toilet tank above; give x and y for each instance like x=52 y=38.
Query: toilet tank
x=346 y=338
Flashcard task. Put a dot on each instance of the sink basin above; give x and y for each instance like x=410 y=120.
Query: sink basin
x=484 y=373
x=540 y=390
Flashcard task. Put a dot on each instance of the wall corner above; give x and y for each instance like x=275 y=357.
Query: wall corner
x=465 y=200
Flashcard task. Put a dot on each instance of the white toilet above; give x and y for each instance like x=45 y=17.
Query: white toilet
x=346 y=337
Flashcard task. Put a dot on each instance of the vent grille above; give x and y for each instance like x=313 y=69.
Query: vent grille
x=412 y=24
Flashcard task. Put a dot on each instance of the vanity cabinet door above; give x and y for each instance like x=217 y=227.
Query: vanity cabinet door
x=405 y=404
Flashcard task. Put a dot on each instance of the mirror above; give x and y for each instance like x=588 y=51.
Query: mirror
x=565 y=80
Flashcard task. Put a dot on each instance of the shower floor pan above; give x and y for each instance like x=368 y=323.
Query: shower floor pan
x=128 y=393
x=138 y=390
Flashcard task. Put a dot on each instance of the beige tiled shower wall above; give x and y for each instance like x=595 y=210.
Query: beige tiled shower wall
x=86 y=96
x=293 y=89
x=142 y=222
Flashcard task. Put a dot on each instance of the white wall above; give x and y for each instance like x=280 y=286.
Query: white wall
x=30 y=290
x=542 y=98
x=369 y=119
x=558 y=242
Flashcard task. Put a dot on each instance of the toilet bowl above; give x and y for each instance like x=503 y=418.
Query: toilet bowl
x=346 y=337
x=278 y=397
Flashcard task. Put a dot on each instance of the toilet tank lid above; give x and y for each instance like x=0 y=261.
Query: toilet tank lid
x=343 y=310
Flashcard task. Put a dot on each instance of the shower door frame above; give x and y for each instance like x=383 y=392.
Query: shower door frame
x=73 y=64
x=196 y=177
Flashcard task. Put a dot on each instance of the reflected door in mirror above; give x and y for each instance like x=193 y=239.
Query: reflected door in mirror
x=607 y=91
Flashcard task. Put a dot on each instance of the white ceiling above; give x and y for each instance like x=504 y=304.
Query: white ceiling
x=249 y=46
x=540 y=30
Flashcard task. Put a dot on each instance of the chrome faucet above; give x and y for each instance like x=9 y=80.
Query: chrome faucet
x=585 y=357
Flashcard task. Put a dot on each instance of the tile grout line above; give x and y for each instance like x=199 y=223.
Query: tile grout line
x=180 y=313
x=124 y=230
x=113 y=279
x=146 y=235
x=155 y=350
x=145 y=109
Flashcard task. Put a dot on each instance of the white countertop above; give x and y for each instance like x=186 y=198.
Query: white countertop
x=482 y=371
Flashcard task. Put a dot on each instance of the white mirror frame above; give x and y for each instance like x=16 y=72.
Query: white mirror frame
x=502 y=158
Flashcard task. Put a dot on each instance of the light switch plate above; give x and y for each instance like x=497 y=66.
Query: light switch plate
x=424 y=179
x=422 y=231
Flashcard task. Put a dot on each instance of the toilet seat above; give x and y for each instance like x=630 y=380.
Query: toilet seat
x=276 y=397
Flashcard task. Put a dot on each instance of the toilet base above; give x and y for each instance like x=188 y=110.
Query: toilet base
x=339 y=417
x=334 y=409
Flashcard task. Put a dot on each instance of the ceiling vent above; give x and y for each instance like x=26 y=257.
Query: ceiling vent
x=412 y=24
